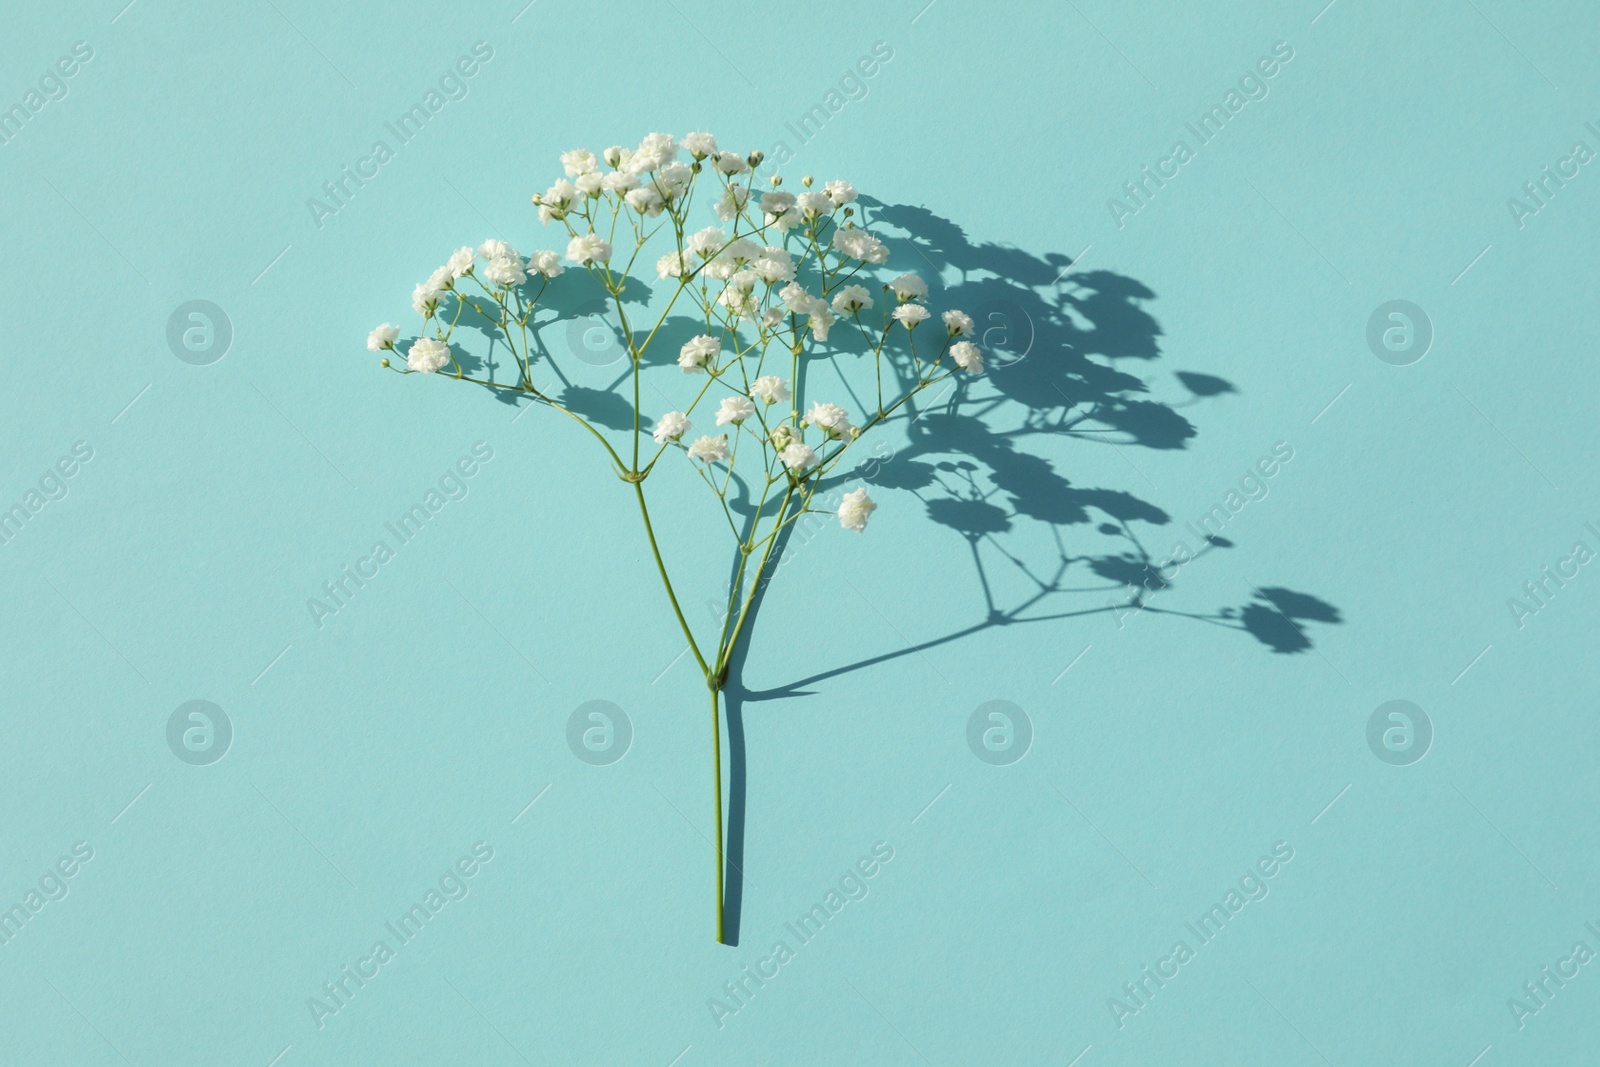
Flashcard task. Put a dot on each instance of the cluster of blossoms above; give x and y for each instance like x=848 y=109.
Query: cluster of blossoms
x=772 y=285
x=783 y=286
x=502 y=267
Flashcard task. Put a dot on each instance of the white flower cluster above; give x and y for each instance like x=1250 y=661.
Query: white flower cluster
x=773 y=281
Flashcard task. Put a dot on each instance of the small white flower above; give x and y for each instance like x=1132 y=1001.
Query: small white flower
x=673 y=265
x=813 y=205
x=910 y=315
x=698 y=352
x=425 y=299
x=578 y=161
x=818 y=317
x=741 y=303
x=787 y=221
x=588 y=248
x=547 y=263
x=441 y=279
x=383 y=338
x=706 y=242
x=728 y=163
x=670 y=427
x=427 y=355
x=968 y=356
x=645 y=200
x=797 y=457
x=841 y=193
x=959 y=323
x=504 y=270
x=769 y=389
x=460 y=262
x=771 y=317
x=830 y=417
x=854 y=509
x=909 y=287
x=773 y=271
x=795 y=297
x=734 y=409
x=700 y=145
x=858 y=244
x=495 y=247
x=591 y=184
x=657 y=149
x=710 y=449
x=619 y=182
x=558 y=197
x=851 y=299
x=615 y=156
x=743 y=250
x=774 y=265
x=776 y=203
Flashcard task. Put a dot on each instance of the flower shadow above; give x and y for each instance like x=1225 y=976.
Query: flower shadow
x=1071 y=357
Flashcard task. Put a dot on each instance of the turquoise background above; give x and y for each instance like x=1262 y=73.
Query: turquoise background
x=1182 y=745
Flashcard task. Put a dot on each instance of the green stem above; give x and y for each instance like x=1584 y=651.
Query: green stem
x=661 y=568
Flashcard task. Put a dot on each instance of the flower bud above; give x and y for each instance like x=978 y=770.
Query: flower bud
x=806 y=181
x=755 y=158
x=384 y=362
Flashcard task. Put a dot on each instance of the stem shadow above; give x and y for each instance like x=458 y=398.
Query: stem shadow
x=734 y=695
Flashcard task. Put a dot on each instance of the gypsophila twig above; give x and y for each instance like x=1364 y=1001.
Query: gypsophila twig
x=777 y=273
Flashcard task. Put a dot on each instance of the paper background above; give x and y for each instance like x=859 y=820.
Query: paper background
x=370 y=754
